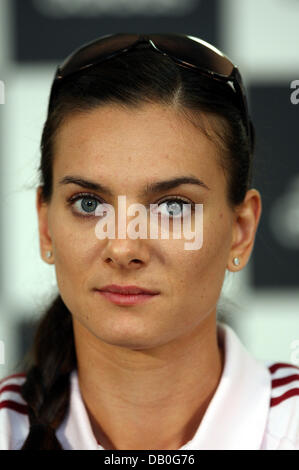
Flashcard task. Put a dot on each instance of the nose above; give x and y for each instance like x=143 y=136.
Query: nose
x=125 y=253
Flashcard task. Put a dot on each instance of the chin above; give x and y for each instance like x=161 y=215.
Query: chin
x=129 y=338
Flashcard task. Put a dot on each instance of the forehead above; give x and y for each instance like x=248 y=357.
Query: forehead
x=133 y=145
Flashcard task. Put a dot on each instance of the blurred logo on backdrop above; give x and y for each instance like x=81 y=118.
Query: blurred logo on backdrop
x=2 y=92
x=63 y=25
x=65 y=8
x=276 y=175
x=284 y=216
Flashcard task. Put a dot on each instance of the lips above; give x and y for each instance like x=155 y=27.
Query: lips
x=127 y=290
x=127 y=295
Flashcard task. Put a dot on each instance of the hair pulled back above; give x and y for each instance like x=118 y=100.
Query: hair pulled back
x=129 y=80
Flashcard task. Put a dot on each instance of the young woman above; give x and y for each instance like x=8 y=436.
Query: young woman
x=131 y=354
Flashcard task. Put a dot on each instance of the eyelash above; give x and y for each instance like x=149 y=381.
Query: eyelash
x=71 y=201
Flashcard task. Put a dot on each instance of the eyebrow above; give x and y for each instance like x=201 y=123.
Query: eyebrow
x=151 y=188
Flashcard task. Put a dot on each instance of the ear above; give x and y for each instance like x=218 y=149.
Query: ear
x=45 y=240
x=246 y=220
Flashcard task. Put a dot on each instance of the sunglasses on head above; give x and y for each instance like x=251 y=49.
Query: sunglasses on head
x=187 y=51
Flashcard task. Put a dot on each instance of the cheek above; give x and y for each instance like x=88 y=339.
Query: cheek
x=212 y=261
x=218 y=233
x=74 y=244
x=204 y=268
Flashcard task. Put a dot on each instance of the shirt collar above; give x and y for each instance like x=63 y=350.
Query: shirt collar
x=235 y=419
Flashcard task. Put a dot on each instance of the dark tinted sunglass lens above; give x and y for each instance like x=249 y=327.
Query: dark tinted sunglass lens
x=188 y=49
x=94 y=51
x=194 y=51
x=205 y=56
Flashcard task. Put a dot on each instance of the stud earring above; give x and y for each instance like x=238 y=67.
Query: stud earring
x=236 y=261
x=48 y=254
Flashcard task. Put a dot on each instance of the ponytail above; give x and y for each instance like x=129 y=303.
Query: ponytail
x=47 y=386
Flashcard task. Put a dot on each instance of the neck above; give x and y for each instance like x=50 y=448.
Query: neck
x=166 y=388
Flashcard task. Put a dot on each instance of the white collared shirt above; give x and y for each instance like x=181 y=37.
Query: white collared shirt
x=255 y=406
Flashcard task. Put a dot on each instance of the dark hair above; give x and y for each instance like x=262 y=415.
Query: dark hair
x=129 y=80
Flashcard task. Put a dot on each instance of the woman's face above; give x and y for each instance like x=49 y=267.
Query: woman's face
x=125 y=151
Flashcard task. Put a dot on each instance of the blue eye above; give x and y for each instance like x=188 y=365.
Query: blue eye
x=86 y=202
x=174 y=207
x=89 y=204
